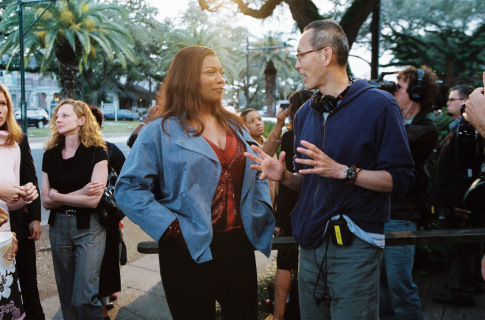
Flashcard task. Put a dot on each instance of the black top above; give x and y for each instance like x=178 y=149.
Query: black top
x=20 y=219
x=116 y=158
x=457 y=166
x=68 y=175
x=422 y=137
x=287 y=197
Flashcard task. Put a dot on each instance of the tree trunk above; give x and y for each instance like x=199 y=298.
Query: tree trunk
x=68 y=69
x=269 y=82
x=305 y=11
x=355 y=17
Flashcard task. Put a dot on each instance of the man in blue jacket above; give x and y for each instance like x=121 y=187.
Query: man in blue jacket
x=351 y=155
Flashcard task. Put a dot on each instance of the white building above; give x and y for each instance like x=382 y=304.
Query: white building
x=40 y=91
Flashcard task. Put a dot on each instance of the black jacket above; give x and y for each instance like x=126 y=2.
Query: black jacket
x=20 y=219
x=457 y=166
x=422 y=137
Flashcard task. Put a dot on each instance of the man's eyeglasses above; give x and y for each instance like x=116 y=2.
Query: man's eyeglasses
x=300 y=55
x=455 y=99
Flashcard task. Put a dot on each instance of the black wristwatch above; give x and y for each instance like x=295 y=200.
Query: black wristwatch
x=351 y=174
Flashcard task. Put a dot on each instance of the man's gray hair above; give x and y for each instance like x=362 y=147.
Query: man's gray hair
x=328 y=33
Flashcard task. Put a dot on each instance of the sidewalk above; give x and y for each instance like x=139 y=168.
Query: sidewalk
x=141 y=297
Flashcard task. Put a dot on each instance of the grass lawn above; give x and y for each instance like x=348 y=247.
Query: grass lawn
x=121 y=126
x=108 y=127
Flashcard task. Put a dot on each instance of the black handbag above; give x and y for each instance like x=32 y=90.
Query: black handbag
x=107 y=207
x=110 y=209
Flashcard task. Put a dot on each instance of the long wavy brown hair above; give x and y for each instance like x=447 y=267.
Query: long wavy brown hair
x=89 y=134
x=179 y=94
x=11 y=126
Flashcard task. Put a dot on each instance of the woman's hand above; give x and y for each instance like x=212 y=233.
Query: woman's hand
x=11 y=193
x=281 y=117
x=152 y=113
x=278 y=232
x=3 y=216
x=31 y=192
x=93 y=188
x=15 y=246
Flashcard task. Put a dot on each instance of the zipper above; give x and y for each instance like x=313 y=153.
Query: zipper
x=318 y=176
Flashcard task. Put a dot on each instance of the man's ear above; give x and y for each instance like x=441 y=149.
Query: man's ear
x=327 y=55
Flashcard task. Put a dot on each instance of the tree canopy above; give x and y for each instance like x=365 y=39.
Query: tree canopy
x=70 y=33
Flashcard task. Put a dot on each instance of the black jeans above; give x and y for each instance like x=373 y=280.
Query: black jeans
x=27 y=272
x=230 y=278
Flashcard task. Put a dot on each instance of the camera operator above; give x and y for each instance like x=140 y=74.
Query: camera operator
x=475 y=114
x=457 y=166
x=475 y=109
x=398 y=295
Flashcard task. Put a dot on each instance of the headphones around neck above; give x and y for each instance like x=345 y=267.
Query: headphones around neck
x=326 y=103
x=416 y=92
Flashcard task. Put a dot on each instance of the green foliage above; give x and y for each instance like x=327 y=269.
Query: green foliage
x=69 y=33
x=447 y=35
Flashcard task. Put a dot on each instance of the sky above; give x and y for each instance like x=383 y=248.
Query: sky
x=281 y=20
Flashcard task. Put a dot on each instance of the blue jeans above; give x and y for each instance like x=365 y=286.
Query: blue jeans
x=398 y=295
x=352 y=280
x=77 y=255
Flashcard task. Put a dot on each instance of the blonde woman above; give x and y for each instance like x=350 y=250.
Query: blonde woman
x=74 y=175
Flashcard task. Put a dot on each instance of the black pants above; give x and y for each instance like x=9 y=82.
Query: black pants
x=27 y=271
x=462 y=260
x=230 y=278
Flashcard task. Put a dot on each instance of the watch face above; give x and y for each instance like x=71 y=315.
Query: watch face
x=349 y=173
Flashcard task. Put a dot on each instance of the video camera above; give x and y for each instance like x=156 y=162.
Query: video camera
x=390 y=86
x=466 y=132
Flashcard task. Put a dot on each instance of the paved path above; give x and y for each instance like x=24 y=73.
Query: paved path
x=141 y=297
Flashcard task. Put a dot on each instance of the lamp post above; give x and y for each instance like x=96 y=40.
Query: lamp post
x=20 y=12
x=247 y=64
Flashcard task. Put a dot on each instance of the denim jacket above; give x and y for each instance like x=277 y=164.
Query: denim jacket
x=187 y=171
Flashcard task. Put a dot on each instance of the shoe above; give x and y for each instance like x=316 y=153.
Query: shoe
x=113 y=297
x=454 y=301
x=109 y=306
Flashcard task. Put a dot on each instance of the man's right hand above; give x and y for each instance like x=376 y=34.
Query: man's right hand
x=11 y=193
x=271 y=169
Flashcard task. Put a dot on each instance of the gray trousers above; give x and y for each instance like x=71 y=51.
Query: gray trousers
x=352 y=279
x=77 y=255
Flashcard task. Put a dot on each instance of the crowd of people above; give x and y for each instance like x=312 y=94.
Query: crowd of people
x=207 y=185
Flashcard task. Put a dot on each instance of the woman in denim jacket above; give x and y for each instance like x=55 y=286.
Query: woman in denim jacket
x=188 y=185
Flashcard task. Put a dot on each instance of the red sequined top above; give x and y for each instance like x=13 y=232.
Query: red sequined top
x=225 y=207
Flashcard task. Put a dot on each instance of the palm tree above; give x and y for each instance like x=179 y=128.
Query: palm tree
x=274 y=60
x=71 y=33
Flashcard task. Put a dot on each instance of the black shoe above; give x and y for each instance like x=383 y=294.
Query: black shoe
x=454 y=301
